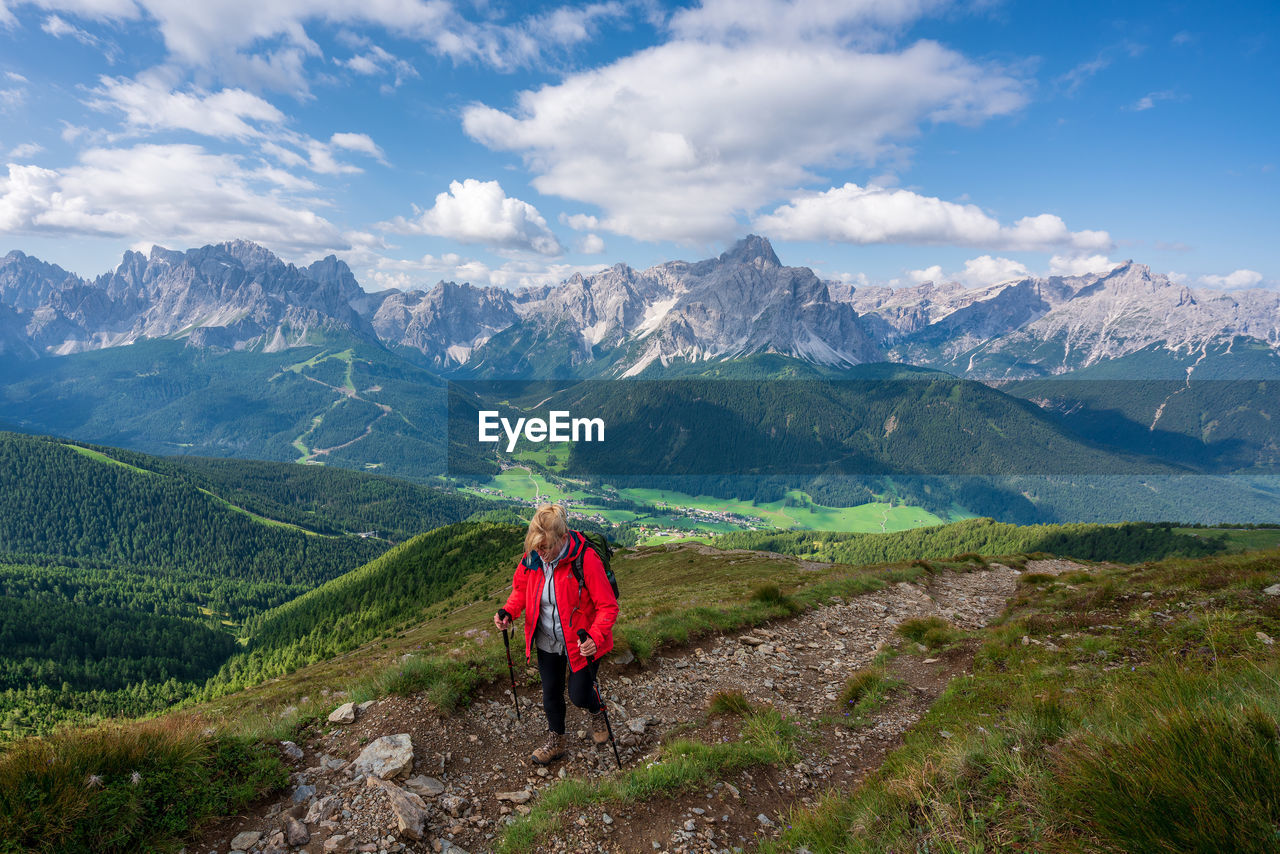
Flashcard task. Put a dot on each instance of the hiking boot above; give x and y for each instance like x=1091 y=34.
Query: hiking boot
x=551 y=750
x=599 y=728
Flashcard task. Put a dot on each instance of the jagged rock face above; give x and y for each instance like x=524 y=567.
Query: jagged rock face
x=27 y=283
x=14 y=340
x=620 y=321
x=743 y=302
x=1032 y=326
x=234 y=295
x=445 y=323
x=1121 y=312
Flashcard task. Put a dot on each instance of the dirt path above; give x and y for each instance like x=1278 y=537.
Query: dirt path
x=798 y=666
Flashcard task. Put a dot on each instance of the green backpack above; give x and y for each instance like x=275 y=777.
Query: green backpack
x=601 y=547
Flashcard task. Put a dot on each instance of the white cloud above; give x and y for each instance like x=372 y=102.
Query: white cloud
x=676 y=141
x=580 y=222
x=928 y=274
x=377 y=60
x=978 y=272
x=13 y=97
x=1238 y=279
x=570 y=25
x=986 y=270
x=27 y=149
x=419 y=273
x=359 y=142
x=149 y=104
x=591 y=244
x=1146 y=102
x=1079 y=265
x=1083 y=72
x=58 y=28
x=475 y=211
x=231 y=40
x=867 y=215
x=321 y=157
x=175 y=194
x=799 y=20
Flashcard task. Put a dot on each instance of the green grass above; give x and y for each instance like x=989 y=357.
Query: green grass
x=1120 y=723
x=1241 y=539
x=767 y=738
x=122 y=789
x=526 y=485
x=865 y=518
x=103 y=458
x=864 y=693
x=728 y=703
x=929 y=632
x=1189 y=779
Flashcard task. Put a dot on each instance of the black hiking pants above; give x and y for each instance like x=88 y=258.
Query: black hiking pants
x=552 y=667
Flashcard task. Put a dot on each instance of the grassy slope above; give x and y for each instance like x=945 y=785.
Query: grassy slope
x=1121 y=709
x=668 y=593
x=674 y=594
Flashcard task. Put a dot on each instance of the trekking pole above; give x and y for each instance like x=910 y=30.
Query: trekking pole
x=595 y=683
x=511 y=668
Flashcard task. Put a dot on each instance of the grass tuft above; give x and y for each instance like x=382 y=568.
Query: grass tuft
x=930 y=632
x=864 y=692
x=729 y=703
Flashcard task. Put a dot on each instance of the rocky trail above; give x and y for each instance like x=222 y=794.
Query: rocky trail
x=394 y=775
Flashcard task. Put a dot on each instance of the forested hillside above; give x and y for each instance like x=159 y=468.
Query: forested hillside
x=394 y=591
x=58 y=502
x=125 y=579
x=1129 y=542
x=331 y=500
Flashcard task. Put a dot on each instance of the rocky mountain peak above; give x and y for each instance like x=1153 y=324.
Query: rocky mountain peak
x=750 y=249
x=254 y=257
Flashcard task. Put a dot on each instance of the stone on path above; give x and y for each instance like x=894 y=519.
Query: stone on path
x=295 y=832
x=387 y=757
x=427 y=787
x=323 y=809
x=245 y=841
x=409 y=809
x=344 y=714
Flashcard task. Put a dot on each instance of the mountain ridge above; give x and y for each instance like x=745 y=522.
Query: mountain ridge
x=621 y=321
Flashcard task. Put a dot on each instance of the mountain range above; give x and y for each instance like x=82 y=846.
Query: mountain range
x=626 y=322
x=1020 y=400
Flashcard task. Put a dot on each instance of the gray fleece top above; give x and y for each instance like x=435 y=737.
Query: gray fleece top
x=549 y=635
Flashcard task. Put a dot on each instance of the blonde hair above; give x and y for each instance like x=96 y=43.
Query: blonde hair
x=547 y=530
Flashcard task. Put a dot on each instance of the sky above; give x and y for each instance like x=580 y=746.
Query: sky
x=877 y=141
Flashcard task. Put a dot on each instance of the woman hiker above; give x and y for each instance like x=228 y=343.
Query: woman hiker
x=555 y=606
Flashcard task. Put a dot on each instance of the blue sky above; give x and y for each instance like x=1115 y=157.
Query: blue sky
x=515 y=144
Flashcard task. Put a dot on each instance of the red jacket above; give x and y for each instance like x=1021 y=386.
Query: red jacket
x=595 y=611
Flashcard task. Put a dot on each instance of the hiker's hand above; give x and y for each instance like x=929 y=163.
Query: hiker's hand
x=587 y=648
x=501 y=620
